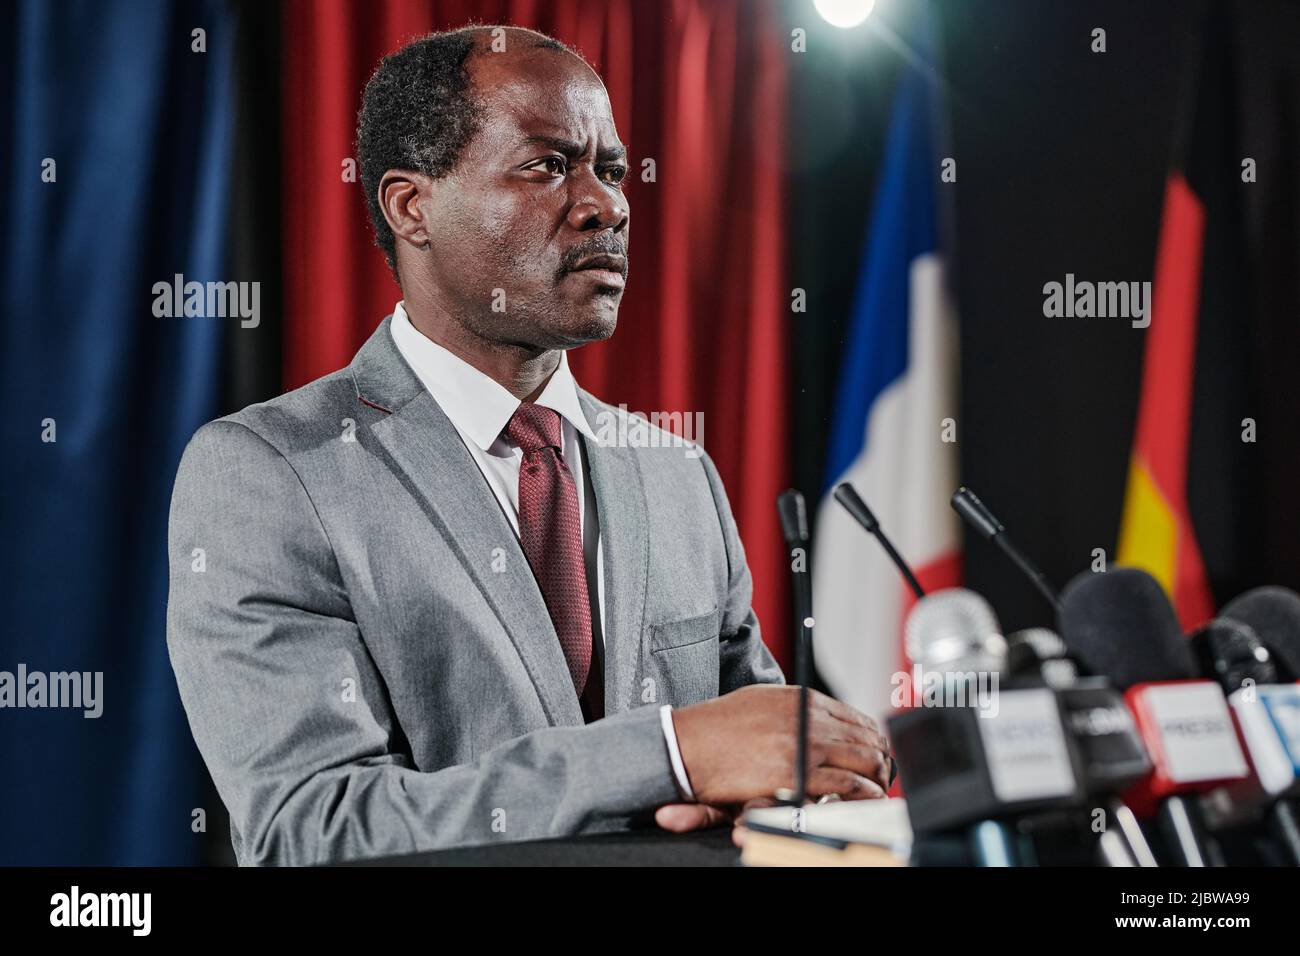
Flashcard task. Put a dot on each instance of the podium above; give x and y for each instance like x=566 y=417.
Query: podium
x=631 y=848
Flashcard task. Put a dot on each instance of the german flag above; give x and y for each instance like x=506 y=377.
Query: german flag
x=1185 y=479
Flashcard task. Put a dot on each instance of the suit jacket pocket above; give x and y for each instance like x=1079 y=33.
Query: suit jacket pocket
x=681 y=667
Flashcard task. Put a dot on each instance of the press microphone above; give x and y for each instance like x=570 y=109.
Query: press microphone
x=978 y=516
x=950 y=635
x=1120 y=625
x=1274 y=614
x=1267 y=715
x=1038 y=655
x=975 y=759
x=1112 y=757
x=1111 y=754
x=794 y=528
x=848 y=496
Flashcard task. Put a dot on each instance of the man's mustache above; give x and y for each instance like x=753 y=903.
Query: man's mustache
x=604 y=244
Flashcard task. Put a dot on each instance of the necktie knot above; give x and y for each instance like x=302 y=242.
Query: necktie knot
x=533 y=427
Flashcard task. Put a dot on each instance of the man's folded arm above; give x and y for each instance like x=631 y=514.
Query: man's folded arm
x=290 y=712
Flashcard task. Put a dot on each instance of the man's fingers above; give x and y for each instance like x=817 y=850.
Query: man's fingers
x=870 y=762
x=685 y=817
x=738 y=832
x=825 y=727
x=849 y=785
x=842 y=711
x=835 y=721
x=848 y=722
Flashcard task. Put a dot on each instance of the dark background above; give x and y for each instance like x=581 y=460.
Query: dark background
x=1062 y=156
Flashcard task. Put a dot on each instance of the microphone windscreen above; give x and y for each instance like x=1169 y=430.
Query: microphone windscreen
x=1119 y=624
x=794 y=517
x=1274 y=614
x=1230 y=654
x=952 y=625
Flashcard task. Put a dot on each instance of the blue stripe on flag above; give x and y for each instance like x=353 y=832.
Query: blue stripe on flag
x=902 y=228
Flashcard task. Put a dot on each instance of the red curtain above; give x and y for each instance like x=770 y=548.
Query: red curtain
x=697 y=86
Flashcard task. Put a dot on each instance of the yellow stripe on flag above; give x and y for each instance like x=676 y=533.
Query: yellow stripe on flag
x=1148 y=532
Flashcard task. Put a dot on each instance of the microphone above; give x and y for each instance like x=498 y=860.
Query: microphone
x=794 y=528
x=1119 y=624
x=976 y=514
x=1111 y=755
x=1274 y=614
x=1113 y=758
x=972 y=759
x=1037 y=655
x=1268 y=723
x=848 y=496
x=952 y=634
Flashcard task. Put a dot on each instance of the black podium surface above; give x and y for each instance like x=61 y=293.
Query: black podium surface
x=635 y=848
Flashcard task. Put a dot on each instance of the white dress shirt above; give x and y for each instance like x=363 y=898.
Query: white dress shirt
x=479 y=408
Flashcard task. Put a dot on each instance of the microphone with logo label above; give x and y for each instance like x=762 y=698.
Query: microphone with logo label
x=976 y=758
x=1119 y=624
x=1111 y=755
x=794 y=528
x=1274 y=614
x=1266 y=713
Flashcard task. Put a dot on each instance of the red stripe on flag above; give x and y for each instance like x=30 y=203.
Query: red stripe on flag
x=1169 y=368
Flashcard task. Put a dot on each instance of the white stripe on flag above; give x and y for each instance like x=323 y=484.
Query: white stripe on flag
x=906 y=474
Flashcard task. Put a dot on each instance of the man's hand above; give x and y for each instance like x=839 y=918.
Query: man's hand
x=741 y=747
x=685 y=817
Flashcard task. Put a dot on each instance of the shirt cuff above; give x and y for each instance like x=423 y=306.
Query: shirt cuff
x=675 y=753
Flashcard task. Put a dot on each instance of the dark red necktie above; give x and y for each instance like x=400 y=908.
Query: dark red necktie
x=550 y=530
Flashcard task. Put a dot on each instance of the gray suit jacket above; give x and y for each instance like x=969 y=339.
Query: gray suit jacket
x=364 y=655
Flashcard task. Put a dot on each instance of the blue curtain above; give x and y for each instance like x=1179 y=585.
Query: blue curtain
x=138 y=126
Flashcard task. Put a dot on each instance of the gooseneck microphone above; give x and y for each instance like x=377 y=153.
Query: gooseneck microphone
x=977 y=514
x=794 y=528
x=1120 y=625
x=848 y=496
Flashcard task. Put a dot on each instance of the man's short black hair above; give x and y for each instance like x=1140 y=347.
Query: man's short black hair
x=418 y=112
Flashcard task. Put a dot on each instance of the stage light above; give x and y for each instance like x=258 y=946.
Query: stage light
x=844 y=13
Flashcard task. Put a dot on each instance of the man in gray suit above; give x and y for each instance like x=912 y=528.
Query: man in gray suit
x=419 y=602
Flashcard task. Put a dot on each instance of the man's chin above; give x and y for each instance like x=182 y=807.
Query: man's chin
x=583 y=326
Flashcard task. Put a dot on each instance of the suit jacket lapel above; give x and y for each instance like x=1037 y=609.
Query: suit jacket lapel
x=625 y=542
x=427 y=454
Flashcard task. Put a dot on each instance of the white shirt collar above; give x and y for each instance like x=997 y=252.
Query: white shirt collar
x=477 y=405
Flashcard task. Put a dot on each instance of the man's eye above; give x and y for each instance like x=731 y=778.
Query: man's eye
x=613 y=174
x=551 y=164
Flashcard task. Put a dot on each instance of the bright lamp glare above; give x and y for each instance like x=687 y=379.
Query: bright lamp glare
x=844 y=13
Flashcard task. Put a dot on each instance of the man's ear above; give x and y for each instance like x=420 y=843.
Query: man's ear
x=400 y=193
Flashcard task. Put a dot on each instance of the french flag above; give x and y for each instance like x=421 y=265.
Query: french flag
x=894 y=425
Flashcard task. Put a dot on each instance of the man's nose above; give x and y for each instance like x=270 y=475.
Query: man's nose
x=598 y=206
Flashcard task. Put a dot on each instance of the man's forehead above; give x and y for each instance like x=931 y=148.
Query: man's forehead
x=542 y=92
